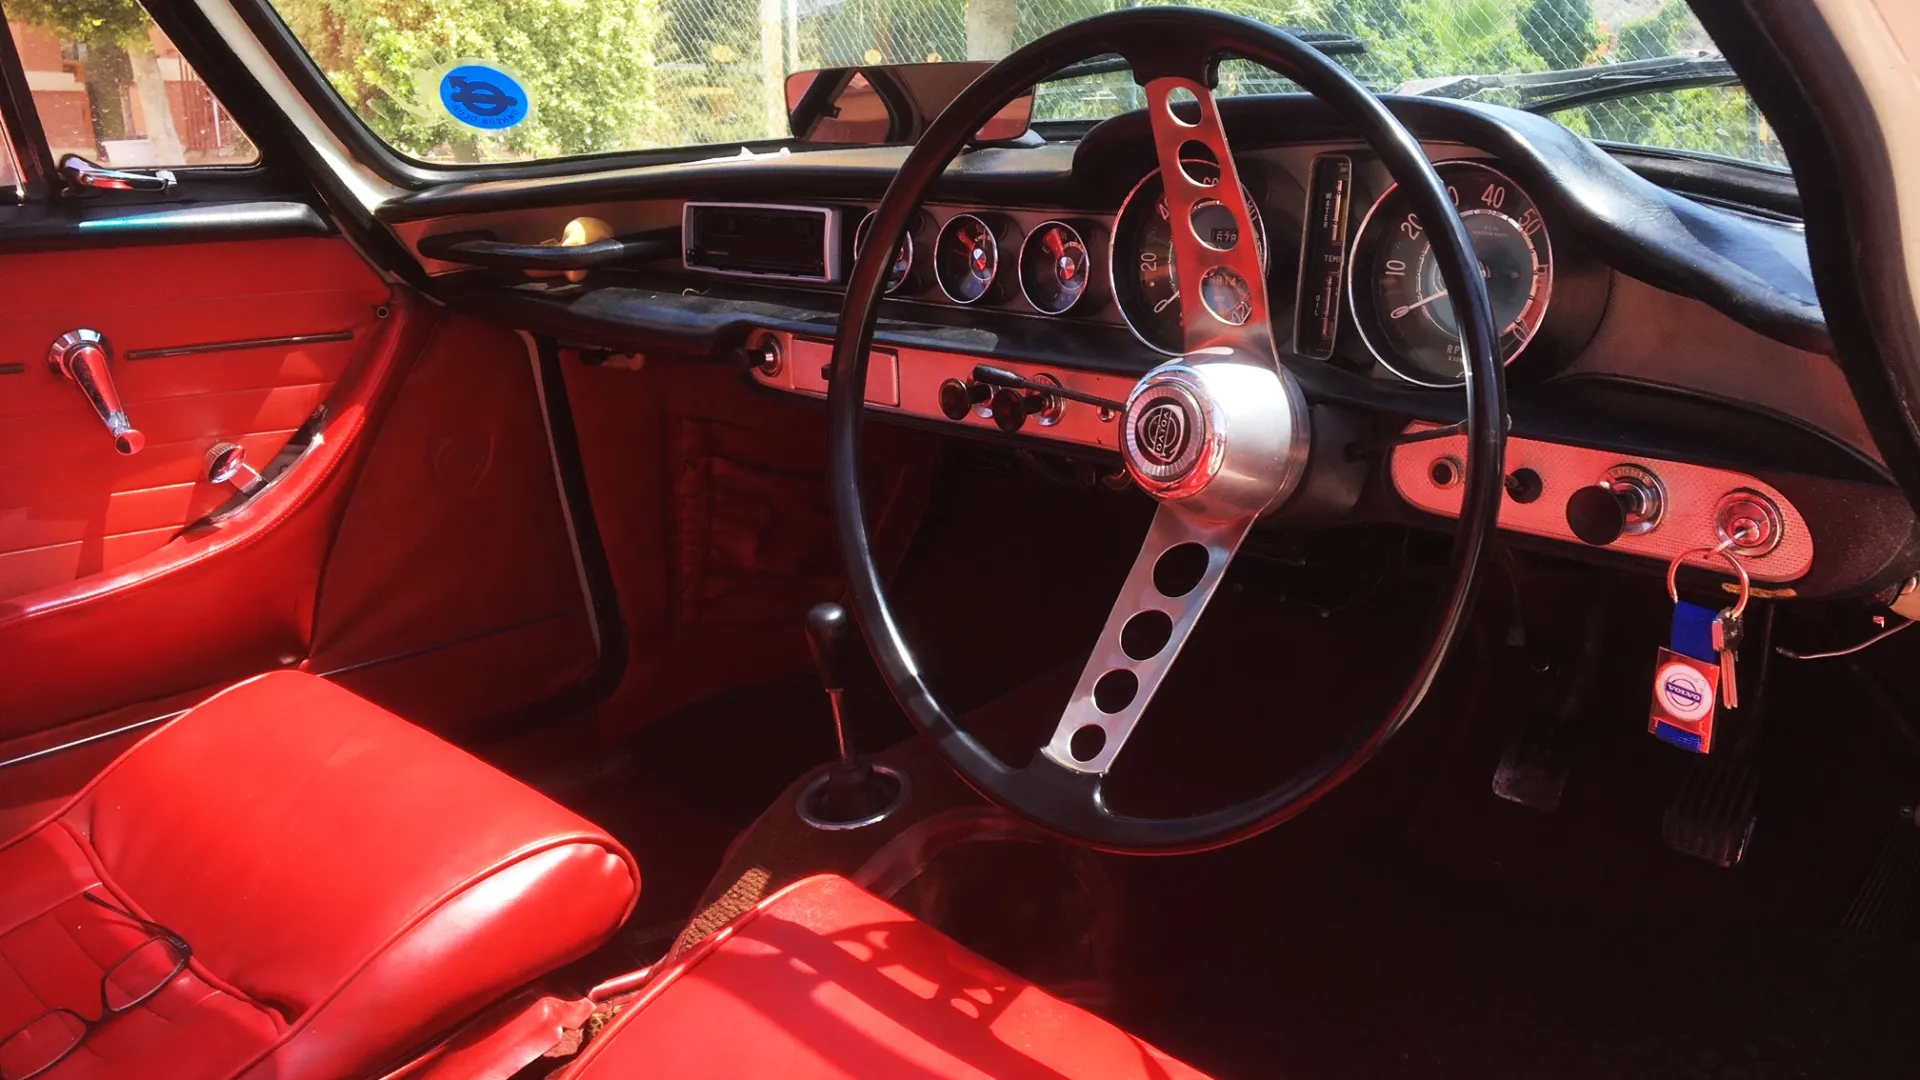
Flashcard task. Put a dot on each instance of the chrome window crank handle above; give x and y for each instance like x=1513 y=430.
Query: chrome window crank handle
x=80 y=357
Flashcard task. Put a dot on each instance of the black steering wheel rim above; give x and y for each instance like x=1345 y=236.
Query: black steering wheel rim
x=1186 y=42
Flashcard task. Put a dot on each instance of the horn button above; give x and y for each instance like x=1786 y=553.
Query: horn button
x=1226 y=438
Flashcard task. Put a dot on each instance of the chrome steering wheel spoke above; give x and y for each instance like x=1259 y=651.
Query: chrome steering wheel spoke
x=1223 y=287
x=1178 y=568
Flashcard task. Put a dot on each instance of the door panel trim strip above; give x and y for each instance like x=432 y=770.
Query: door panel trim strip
x=234 y=346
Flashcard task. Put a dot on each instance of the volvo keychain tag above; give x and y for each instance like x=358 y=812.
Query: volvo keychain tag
x=1690 y=674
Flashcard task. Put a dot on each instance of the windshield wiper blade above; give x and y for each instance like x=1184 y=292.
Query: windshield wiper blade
x=1553 y=91
x=1329 y=42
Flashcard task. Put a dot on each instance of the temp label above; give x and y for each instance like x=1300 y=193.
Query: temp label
x=1323 y=255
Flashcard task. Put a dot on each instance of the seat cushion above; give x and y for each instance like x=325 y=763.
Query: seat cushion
x=351 y=886
x=824 y=980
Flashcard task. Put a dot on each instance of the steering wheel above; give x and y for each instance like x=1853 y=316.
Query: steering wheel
x=1219 y=436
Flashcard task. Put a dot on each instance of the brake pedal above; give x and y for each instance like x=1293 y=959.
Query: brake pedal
x=1889 y=896
x=1539 y=756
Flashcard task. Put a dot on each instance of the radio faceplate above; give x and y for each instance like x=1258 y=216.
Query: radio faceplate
x=762 y=240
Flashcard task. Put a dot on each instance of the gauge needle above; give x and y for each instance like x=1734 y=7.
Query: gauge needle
x=1162 y=305
x=1401 y=312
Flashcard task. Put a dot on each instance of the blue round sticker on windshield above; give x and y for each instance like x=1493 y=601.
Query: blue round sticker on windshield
x=482 y=96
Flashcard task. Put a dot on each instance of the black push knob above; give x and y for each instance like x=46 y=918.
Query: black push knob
x=957 y=398
x=1597 y=514
x=828 y=628
x=1012 y=407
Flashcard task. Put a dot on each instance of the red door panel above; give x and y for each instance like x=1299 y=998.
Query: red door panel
x=70 y=506
x=120 y=610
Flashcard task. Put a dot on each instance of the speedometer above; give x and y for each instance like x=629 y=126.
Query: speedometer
x=1400 y=304
x=1144 y=281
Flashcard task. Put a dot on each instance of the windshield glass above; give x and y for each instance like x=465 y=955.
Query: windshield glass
x=515 y=80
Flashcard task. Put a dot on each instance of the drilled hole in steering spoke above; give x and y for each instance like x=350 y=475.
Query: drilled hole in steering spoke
x=1115 y=690
x=1214 y=226
x=1146 y=634
x=1198 y=163
x=1183 y=106
x=1086 y=743
x=1180 y=568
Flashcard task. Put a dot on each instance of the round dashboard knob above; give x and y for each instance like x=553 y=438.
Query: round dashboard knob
x=1597 y=514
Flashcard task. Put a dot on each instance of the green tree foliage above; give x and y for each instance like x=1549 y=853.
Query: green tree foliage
x=588 y=66
x=613 y=74
x=1560 y=32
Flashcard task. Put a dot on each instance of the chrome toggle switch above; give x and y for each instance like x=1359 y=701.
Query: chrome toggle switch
x=227 y=464
x=80 y=356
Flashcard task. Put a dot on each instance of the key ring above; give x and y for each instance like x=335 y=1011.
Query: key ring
x=1725 y=551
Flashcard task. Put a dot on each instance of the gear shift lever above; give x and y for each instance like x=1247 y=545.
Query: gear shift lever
x=851 y=792
x=827 y=626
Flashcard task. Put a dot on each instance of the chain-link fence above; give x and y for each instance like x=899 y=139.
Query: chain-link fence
x=624 y=74
x=732 y=52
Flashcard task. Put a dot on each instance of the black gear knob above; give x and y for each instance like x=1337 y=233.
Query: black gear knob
x=828 y=629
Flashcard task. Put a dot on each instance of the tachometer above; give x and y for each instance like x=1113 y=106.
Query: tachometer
x=966 y=258
x=1142 y=266
x=1400 y=304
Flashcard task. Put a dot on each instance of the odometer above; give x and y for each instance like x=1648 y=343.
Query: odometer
x=1144 y=281
x=1400 y=304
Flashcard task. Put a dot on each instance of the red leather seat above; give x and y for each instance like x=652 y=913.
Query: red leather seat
x=825 y=980
x=351 y=887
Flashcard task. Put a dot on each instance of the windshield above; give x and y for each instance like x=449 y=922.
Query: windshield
x=516 y=80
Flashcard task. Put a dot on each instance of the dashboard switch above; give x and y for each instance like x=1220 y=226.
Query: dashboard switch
x=1524 y=486
x=1597 y=514
x=1012 y=407
x=1628 y=500
x=958 y=398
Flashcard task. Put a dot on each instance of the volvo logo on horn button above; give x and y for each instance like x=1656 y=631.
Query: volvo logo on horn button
x=1162 y=432
x=1166 y=428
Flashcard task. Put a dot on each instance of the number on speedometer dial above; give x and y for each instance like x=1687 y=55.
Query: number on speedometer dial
x=1144 y=279
x=1400 y=304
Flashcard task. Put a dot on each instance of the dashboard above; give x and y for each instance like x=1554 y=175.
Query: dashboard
x=1668 y=362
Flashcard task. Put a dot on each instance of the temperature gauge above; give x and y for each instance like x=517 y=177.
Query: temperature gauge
x=1053 y=268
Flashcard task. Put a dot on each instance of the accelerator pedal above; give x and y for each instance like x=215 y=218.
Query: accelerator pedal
x=1714 y=814
x=1890 y=895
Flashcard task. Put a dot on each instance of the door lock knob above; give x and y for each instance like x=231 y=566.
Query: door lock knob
x=227 y=464
x=80 y=357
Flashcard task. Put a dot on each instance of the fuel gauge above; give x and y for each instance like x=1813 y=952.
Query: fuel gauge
x=1053 y=268
x=902 y=264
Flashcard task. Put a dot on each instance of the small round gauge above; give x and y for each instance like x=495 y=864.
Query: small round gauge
x=1054 y=267
x=902 y=255
x=1400 y=303
x=1144 y=279
x=966 y=258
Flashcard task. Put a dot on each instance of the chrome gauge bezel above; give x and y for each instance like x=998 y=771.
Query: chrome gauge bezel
x=1020 y=266
x=906 y=241
x=1389 y=358
x=1115 y=237
x=993 y=249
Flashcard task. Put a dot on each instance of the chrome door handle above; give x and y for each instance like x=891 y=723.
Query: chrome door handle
x=80 y=356
x=82 y=173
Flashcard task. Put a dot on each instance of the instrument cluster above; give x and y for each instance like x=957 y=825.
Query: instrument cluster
x=1023 y=260
x=1364 y=292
